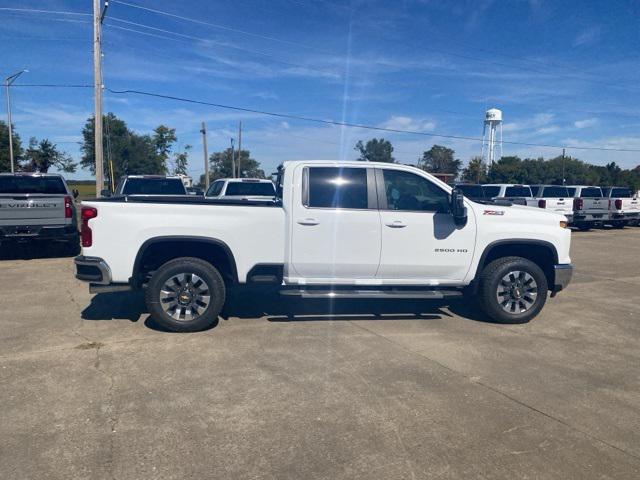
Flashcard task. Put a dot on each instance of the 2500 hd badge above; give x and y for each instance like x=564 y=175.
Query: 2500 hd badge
x=450 y=250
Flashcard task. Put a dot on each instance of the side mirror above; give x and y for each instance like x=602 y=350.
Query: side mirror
x=458 y=210
x=75 y=193
x=105 y=193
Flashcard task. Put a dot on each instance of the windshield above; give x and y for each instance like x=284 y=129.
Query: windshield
x=517 y=191
x=250 y=189
x=555 y=192
x=35 y=184
x=154 y=186
x=471 y=191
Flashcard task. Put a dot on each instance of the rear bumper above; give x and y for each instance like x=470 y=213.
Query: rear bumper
x=29 y=233
x=96 y=271
x=92 y=269
x=562 y=277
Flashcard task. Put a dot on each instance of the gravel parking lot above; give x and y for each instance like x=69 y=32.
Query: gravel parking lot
x=91 y=389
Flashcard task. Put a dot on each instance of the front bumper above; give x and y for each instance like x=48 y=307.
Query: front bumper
x=562 y=277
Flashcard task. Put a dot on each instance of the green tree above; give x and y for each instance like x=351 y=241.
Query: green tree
x=506 y=170
x=129 y=152
x=5 y=163
x=475 y=171
x=41 y=156
x=180 y=161
x=375 y=150
x=439 y=159
x=220 y=165
x=163 y=139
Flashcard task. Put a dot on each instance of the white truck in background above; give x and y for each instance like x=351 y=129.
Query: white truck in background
x=554 y=198
x=624 y=206
x=337 y=230
x=590 y=208
x=242 y=189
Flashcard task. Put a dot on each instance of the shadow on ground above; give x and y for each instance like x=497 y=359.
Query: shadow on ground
x=33 y=251
x=258 y=304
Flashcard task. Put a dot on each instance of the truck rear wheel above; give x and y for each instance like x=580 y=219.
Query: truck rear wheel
x=512 y=290
x=186 y=295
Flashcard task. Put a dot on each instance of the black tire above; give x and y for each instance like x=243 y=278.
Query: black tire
x=491 y=280
x=72 y=247
x=200 y=317
x=584 y=227
x=618 y=223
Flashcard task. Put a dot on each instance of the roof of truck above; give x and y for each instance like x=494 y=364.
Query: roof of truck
x=30 y=174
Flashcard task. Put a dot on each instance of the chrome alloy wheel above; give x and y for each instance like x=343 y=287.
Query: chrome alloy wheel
x=517 y=292
x=185 y=296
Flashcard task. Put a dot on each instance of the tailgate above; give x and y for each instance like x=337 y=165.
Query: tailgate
x=560 y=205
x=32 y=209
x=631 y=205
x=595 y=205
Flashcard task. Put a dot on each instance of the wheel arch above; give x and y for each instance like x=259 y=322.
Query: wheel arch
x=159 y=250
x=542 y=253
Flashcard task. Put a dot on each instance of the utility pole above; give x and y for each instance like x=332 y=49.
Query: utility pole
x=239 y=149
x=8 y=81
x=203 y=131
x=98 y=17
x=564 y=182
x=233 y=160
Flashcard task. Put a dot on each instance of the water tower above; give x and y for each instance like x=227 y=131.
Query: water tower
x=490 y=142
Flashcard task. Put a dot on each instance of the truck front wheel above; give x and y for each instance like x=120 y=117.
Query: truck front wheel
x=512 y=290
x=185 y=295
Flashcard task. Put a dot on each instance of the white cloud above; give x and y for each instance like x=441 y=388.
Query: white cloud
x=587 y=37
x=535 y=122
x=408 y=123
x=586 y=123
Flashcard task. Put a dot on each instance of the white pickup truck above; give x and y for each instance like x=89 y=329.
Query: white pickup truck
x=624 y=206
x=589 y=206
x=555 y=198
x=337 y=230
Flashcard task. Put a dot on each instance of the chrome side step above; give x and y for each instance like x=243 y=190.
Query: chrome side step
x=372 y=294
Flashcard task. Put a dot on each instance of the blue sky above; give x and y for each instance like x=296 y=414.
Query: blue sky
x=562 y=72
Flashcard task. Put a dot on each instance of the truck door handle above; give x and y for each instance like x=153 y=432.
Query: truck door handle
x=308 y=221
x=396 y=224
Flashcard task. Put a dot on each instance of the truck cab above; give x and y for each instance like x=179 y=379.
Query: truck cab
x=149 y=185
x=242 y=189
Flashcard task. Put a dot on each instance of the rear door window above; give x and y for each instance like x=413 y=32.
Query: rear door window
x=27 y=184
x=332 y=187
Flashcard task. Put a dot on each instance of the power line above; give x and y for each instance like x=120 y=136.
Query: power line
x=206 y=40
x=214 y=25
x=37 y=10
x=51 y=85
x=355 y=125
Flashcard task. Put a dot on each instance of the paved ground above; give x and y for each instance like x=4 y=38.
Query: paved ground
x=90 y=389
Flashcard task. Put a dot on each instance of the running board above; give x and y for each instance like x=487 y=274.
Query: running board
x=388 y=294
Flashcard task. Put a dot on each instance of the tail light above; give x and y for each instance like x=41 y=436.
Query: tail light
x=68 y=207
x=618 y=204
x=578 y=203
x=85 y=231
x=542 y=204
